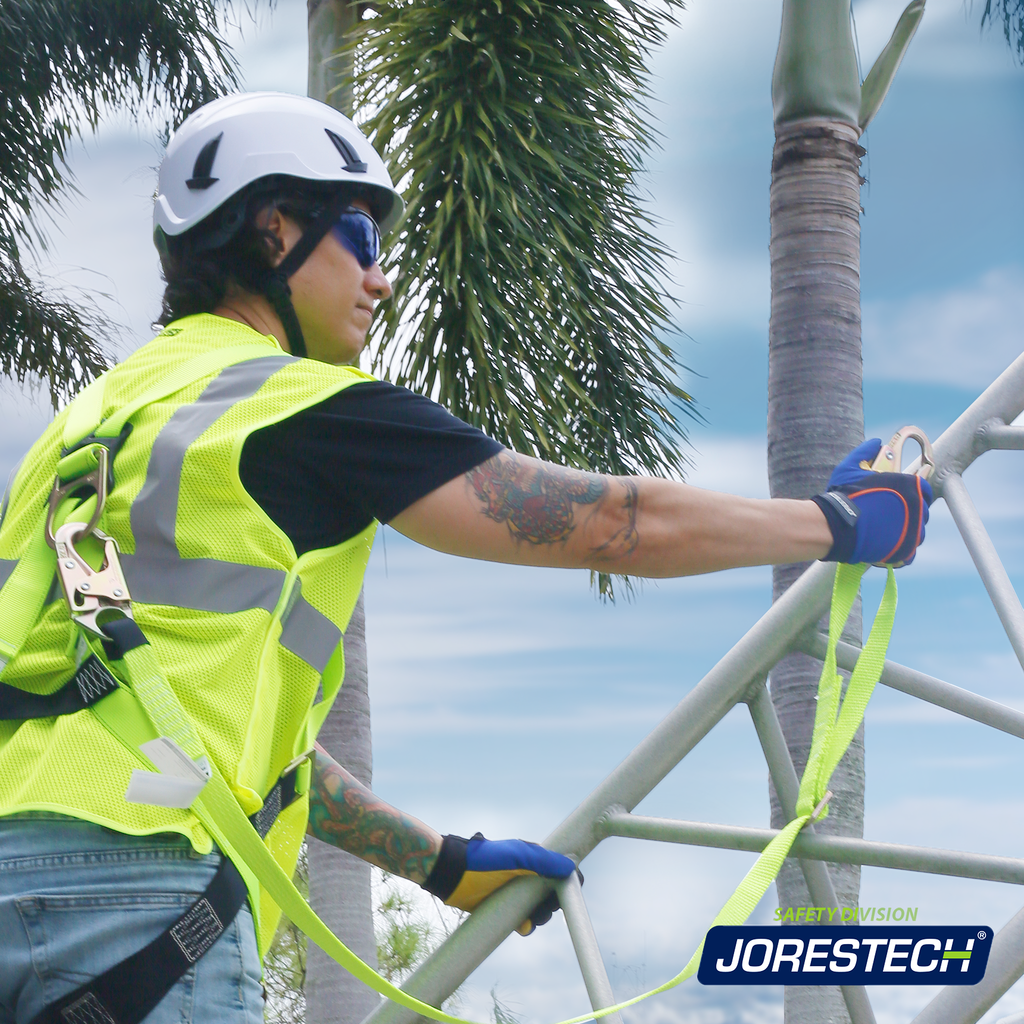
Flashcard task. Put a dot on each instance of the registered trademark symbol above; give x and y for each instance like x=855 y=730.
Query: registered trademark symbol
x=981 y=935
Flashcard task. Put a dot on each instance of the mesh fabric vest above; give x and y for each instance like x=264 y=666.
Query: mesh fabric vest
x=247 y=633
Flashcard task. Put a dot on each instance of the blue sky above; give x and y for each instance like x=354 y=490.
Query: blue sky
x=502 y=696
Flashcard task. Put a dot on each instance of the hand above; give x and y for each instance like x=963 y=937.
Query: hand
x=468 y=870
x=874 y=517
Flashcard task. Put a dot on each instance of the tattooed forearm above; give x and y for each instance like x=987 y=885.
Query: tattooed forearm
x=625 y=540
x=343 y=812
x=535 y=500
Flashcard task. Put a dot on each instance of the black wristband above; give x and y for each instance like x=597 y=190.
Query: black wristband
x=449 y=867
x=841 y=515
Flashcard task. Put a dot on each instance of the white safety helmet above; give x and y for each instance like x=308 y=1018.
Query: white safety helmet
x=236 y=140
x=228 y=147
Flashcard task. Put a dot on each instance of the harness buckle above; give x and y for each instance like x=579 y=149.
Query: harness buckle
x=889 y=458
x=92 y=594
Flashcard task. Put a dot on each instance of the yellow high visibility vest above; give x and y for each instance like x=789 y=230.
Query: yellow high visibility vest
x=248 y=634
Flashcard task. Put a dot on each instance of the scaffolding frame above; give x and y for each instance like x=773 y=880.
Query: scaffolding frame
x=741 y=677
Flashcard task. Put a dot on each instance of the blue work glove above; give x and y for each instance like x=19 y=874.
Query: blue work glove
x=874 y=517
x=468 y=870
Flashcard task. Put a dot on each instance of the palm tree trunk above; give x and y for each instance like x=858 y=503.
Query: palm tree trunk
x=815 y=416
x=339 y=884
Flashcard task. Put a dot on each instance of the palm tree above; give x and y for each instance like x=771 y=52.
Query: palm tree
x=65 y=63
x=815 y=402
x=530 y=294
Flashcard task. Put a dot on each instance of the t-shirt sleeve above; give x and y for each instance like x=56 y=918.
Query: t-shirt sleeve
x=368 y=452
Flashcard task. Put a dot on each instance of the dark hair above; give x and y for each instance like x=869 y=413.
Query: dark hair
x=228 y=248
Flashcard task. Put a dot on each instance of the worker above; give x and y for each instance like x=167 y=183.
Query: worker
x=208 y=507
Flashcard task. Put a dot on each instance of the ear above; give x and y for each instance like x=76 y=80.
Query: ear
x=274 y=227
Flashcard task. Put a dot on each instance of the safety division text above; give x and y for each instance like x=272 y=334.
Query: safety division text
x=865 y=955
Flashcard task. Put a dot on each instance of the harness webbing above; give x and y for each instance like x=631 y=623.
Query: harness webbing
x=90 y=683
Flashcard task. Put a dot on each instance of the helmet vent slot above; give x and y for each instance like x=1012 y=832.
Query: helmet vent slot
x=204 y=164
x=352 y=162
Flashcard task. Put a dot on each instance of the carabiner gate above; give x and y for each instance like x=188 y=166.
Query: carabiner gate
x=889 y=458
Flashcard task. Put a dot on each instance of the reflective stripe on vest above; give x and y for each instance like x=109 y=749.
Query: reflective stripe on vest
x=157 y=574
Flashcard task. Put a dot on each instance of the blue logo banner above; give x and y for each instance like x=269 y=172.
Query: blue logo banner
x=859 y=955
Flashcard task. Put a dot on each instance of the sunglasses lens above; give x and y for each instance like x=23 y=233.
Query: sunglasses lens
x=357 y=231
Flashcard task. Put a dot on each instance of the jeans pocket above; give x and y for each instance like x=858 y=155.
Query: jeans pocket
x=75 y=937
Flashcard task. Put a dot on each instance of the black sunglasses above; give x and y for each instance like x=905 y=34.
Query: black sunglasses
x=358 y=232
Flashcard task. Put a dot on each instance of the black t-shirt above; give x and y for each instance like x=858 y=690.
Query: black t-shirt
x=368 y=452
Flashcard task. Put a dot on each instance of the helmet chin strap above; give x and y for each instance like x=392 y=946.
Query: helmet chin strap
x=277 y=289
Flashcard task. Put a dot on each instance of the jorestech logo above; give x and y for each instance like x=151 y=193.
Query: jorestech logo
x=858 y=955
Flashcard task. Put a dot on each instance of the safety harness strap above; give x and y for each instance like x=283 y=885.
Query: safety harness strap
x=91 y=682
x=283 y=795
x=131 y=989
x=158 y=712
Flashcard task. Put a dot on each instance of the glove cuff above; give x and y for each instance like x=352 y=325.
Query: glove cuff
x=841 y=514
x=448 y=869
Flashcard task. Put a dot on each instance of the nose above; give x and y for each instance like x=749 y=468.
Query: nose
x=376 y=283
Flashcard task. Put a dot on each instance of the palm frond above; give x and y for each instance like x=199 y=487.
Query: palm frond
x=62 y=64
x=1011 y=13
x=530 y=293
x=45 y=337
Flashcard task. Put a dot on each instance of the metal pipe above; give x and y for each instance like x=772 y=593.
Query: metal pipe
x=927 y=688
x=965 y=1004
x=990 y=568
x=466 y=948
x=701 y=709
x=787 y=786
x=834 y=849
x=957 y=448
x=996 y=434
x=584 y=941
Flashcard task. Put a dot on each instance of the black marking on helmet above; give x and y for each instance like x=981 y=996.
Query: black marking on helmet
x=352 y=162
x=204 y=164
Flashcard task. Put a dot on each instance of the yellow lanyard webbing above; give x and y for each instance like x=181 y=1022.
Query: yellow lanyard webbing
x=836 y=721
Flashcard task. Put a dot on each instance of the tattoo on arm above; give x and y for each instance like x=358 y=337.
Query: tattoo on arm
x=536 y=503
x=343 y=812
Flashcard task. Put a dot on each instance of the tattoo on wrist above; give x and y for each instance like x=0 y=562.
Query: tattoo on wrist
x=343 y=812
x=536 y=503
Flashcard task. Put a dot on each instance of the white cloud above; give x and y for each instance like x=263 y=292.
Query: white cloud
x=720 y=290
x=736 y=465
x=964 y=336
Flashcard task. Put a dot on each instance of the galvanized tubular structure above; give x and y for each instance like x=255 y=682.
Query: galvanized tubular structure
x=790 y=624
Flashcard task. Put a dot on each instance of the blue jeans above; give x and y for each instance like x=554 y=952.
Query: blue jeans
x=75 y=899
